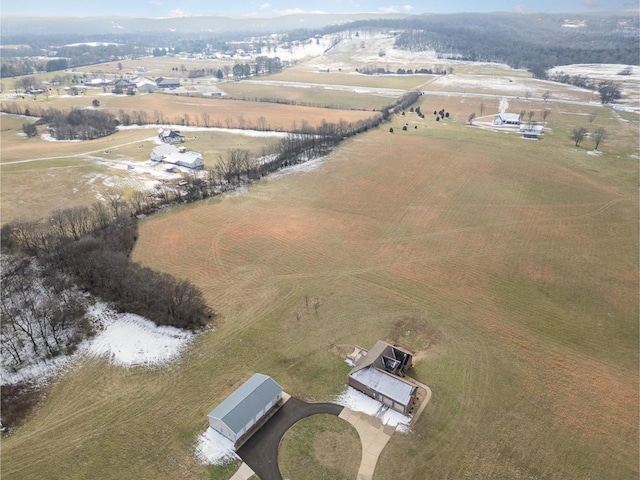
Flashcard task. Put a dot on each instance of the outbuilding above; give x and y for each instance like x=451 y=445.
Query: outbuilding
x=252 y=402
x=177 y=156
x=531 y=131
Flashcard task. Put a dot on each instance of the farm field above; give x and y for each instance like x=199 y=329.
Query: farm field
x=166 y=108
x=67 y=174
x=510 y=266
x=306 y=95
x=303 y=75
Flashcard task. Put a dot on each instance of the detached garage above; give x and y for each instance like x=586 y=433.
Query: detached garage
x=245 y=407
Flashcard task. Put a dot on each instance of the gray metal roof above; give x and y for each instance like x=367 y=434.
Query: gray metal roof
x=388 y=385
x=509 y=117
x=239 y=408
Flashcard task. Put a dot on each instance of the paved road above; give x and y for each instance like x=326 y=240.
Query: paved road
x=260 y=452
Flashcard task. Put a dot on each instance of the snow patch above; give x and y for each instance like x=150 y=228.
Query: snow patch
x=49 y=138
x=359 y=402
x=235 y=131
x=125 y=339
x=214 y=449
x=128 y=339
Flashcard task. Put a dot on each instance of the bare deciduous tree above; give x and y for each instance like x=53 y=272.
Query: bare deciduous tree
x=578 y=135
x=599 y=135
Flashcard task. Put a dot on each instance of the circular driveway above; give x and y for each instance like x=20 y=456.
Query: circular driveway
x=260 y=452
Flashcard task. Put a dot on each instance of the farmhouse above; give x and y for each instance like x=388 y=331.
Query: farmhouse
x=379 y=374
x=170 y=136
x=246 y=407
x=507 y=119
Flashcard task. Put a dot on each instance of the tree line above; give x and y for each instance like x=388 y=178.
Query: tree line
x=77 y=124
x=91 y=246
x=25 y=61
x=609 y=91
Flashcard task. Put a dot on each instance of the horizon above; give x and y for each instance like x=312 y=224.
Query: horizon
x=157 y=9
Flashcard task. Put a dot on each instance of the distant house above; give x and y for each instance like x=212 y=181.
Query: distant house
x=507 y=119
x=380 y=373
x=246 y=407
x=177 y=156
x=323 y=70
x=170 y=136
x=98 y=82
x=167 y=83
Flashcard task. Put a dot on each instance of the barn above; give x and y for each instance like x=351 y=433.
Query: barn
x=380 y=373
x=246 y=407
x=531 y=131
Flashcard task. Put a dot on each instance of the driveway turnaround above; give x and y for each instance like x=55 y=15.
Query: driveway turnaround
x=260 y=452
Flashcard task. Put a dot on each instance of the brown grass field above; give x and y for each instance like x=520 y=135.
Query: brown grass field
x=511 y=266
x=320 y=96
x=60 y=175
x=302 y=75
x=222 y=112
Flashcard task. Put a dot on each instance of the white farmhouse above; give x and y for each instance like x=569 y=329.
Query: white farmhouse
x=246 y=407
x=507 y=119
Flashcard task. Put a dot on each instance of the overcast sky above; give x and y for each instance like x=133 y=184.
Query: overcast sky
x=270 y=8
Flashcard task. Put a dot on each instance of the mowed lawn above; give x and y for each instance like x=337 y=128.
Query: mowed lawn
x=510 y=266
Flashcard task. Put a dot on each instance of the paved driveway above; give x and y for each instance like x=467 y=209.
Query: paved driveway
x=260 y=452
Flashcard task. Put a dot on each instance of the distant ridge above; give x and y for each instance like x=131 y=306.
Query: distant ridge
x=191 y=24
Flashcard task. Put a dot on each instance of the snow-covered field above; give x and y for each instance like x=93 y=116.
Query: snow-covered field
x=123 y=338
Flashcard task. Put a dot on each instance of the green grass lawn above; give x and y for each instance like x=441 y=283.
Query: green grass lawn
x=321 y=446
